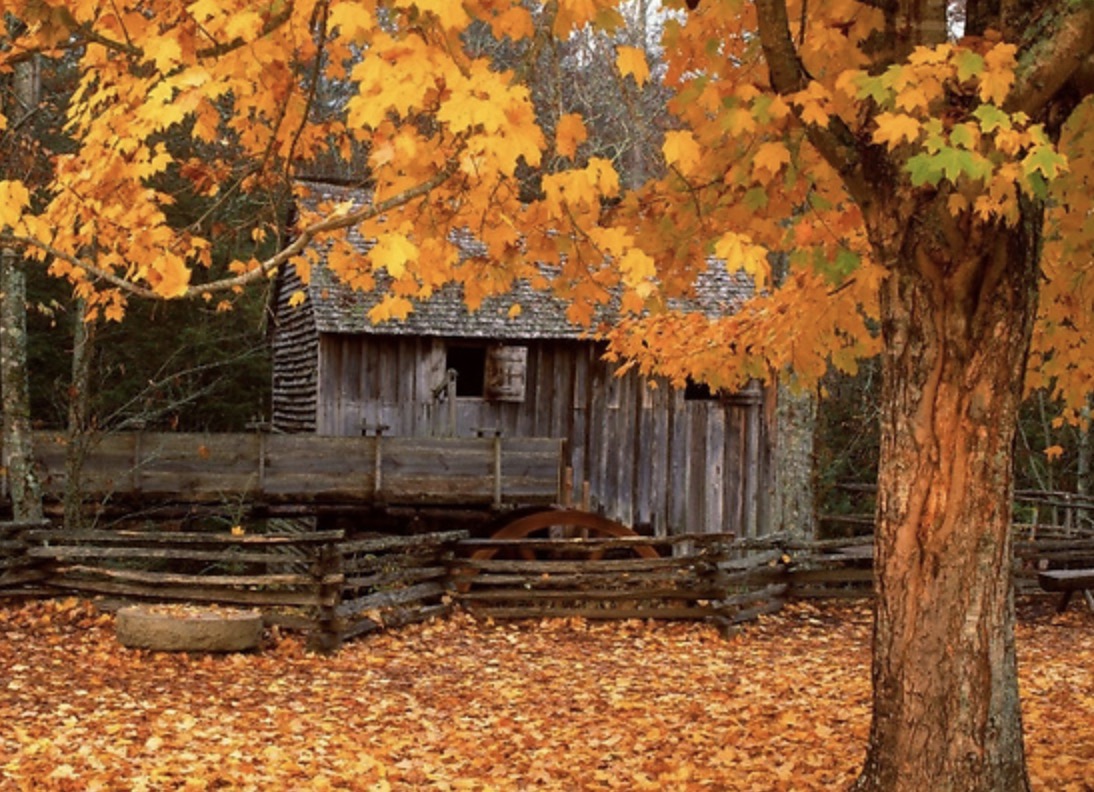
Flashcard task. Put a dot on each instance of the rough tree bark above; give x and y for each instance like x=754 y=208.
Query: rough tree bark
x=79 y=395
x=18 y=451
x=956 y=322
x=957 y=311
x=793 y=497
x=26 y=501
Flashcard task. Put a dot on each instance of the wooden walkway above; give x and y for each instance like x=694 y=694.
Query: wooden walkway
x=272 y=468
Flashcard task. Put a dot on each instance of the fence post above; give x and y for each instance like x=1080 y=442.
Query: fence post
x=327 y=636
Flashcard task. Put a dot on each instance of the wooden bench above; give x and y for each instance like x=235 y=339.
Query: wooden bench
x=1068 y=581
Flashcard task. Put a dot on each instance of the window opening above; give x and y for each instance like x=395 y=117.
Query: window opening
x=698 y=391
x=469 y=363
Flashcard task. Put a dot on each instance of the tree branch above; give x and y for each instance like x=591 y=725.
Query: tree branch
x=835 y=142
x=263 y=270
x=1054 y=50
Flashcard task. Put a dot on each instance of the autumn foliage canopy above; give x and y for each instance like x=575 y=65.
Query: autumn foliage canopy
x=214 y=99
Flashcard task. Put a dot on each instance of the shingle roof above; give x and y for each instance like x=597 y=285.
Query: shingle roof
x=341 y=309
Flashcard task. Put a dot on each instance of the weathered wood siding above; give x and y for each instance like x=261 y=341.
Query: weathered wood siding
x=295 y=350
x=650 y=458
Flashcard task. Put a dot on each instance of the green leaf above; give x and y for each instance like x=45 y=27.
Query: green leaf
x=924 y=169
x=836 y=270
x=1036 y=186
x=991 y=118
x=969 y=64
x=756 y=198
x=1046 y=160
x=760 y=107
x=954 y=162
x=874 y=88
x=962 y=136
x=935 y=139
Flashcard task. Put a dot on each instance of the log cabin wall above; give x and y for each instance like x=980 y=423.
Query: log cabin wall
x=652 y=458
x=295 y=349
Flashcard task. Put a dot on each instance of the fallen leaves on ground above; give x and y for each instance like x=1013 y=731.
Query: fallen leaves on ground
x=460 y=704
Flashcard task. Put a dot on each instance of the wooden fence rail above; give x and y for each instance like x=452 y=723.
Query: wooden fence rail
x=20 y=574
x=691 y=576
x=321 y=582
x=337 y=588
x=274 y=468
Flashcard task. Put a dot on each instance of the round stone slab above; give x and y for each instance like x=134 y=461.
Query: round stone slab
x=175 y=628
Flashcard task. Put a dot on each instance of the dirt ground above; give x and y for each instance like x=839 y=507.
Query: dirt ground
x=463 y=704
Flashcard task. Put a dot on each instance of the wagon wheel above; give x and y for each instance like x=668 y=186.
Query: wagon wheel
x=594 y=524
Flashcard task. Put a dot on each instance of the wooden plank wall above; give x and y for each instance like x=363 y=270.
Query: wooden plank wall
x=651 y=458
x=294 y=349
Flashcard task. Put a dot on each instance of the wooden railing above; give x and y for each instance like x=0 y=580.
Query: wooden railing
x=482 y=471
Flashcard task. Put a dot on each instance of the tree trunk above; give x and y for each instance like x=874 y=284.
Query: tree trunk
x=956 y=322
x=18 y=450
x=26 y=500
x=793 y=498
x=83 y=344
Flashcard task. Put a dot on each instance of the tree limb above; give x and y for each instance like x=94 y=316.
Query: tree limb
x=263 y=270
x=1054 y=50
x=836 y=142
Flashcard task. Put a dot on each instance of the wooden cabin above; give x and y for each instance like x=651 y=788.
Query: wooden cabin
x=661 y=460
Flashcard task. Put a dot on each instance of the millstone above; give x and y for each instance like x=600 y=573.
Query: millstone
x=188 y=628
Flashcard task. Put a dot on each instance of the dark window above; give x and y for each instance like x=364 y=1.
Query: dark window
x=698 y=391
x=469 y=363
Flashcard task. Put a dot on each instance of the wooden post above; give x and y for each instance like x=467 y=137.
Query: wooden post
x=497 y=470
x=327 y=637
x=262 y=465
x=450 y=391
x=378 y=463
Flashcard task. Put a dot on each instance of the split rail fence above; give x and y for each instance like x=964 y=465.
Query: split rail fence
x=335 y=588
x=691 y=576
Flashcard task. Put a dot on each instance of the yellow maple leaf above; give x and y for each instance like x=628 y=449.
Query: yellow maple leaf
x=390 y=307
x=352 y=19
x=637 y=269
x=739 y=253
x=632 y=61
x=569 y=134
x=452 y=16
x=166 y=53
x=895 y=128
x=813 y=102
x=243 y=24
x=514 y=22
x=995 y=85
x=392 y=252
x=998 y=76
x=769 y=157
x=958 y=204
x=681 y=151
x=297 y=298
x=14 y=199
x=171 y=277
x=738 y=121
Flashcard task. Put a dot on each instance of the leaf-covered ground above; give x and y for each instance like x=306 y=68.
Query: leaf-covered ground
x=459 y=704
